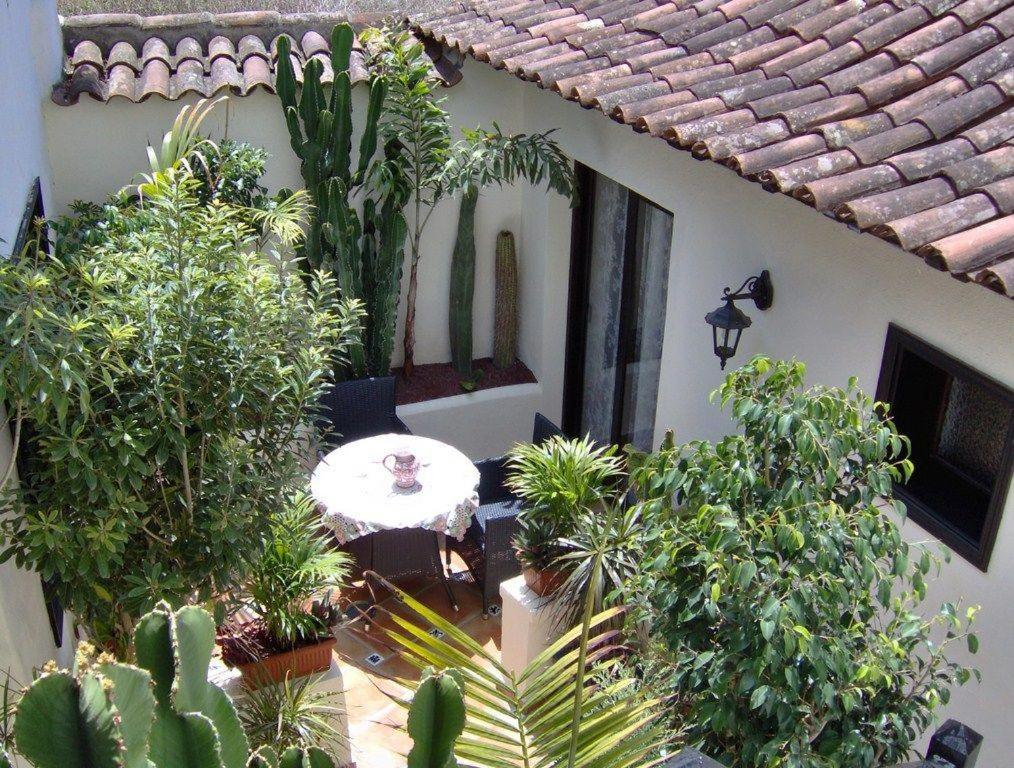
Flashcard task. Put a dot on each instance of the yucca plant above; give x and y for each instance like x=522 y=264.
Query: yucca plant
x=179 y=142
x=556 y=712
x=294 y=713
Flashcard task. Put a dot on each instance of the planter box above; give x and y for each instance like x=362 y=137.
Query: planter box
x=300 y=662
x=544 y=582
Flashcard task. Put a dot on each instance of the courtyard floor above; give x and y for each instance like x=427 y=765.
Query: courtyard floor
x=365 y=667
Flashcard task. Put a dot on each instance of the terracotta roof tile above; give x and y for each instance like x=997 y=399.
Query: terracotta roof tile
x=846 y=30
x=972 y=248
x=918 y=229
x=866 y=212
x=893 y=114
x=923 y=163
x=131 y=57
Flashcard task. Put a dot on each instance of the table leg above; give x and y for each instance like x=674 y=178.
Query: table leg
x=443 y=576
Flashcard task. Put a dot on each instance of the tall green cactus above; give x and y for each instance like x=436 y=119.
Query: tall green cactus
x=462 y=289
x=162 y=713
x=436 y=719
x=365 y=258
x=505 y=303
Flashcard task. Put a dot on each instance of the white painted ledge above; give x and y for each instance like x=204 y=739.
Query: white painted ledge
x=480 y=424
x=528 y=626
x=512 y=391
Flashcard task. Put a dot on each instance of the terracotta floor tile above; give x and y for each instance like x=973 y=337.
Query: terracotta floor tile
x=375 y=721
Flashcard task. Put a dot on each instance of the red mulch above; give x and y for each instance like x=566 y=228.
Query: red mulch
x=436 y=380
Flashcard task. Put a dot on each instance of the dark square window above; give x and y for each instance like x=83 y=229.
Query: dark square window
x=961 y=424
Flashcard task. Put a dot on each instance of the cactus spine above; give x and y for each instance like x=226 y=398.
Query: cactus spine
x=364 y=257
x=162 y=713
x=463 y=285
x=505 y=305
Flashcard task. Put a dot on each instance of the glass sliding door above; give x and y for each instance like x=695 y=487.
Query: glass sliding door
x=619 y=276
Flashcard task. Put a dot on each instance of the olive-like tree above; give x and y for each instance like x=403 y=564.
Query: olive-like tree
x=161 y=372
x=784 y=604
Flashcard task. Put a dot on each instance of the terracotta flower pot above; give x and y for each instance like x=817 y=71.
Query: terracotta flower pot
x=306 y=660
x=543 y=582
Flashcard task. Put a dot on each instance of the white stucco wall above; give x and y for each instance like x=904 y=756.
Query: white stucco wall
x=29 y=61
x=835 y=293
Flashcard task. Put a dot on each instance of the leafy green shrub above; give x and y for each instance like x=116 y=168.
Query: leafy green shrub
x=559 y=481
x=230 y=172
x=166 y=366
x=782 y=598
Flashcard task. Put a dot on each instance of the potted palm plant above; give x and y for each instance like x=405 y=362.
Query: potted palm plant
x=289 y=594
x=561 y=483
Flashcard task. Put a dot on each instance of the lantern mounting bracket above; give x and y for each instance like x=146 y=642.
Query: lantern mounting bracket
x=758 y=288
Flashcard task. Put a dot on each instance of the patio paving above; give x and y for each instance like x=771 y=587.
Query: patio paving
x=365 y=664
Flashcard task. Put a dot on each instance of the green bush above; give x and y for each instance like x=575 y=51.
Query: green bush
x=160 y=367
x=784 y=603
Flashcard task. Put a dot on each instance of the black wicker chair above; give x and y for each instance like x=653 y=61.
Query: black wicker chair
x=487 y=548
x=352 y=410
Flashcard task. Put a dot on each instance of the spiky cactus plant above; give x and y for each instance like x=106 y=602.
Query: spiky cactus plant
x=365 y=254
x=462 y=289
x=505 y=304
x=162 y=713
x=436 y=719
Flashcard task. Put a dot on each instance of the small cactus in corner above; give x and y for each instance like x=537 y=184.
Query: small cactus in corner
x=505 y=304
x=162 y=713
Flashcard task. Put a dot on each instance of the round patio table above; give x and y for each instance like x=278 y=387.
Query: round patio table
x=393 y=531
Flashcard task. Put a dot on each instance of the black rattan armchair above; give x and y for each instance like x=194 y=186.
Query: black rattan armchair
x=352 y=410
x=487 y=547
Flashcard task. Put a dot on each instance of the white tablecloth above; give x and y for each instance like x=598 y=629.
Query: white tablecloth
x=356 y=494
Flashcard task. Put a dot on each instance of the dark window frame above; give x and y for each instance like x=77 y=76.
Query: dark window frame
x=899 y=342
x=582 y=225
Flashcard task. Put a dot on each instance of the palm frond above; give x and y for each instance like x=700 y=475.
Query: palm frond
x=527 y=719
x=285 y=217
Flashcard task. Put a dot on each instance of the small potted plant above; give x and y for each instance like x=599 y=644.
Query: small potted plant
x=289 y=595
x=560 y=481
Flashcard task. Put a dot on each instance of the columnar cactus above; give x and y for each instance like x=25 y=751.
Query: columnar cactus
x=505 y=304
x=463 y=285
x=366 y=258
x=162 y=713
x=436 y=719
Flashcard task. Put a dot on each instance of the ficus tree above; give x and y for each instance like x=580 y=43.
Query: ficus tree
x=157 y=371
x=427 y=164
x=786 y=610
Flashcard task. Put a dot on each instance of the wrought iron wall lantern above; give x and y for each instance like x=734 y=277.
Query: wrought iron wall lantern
x=728 y=321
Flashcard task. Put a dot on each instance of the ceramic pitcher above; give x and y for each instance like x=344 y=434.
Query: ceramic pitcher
x=405 y=468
